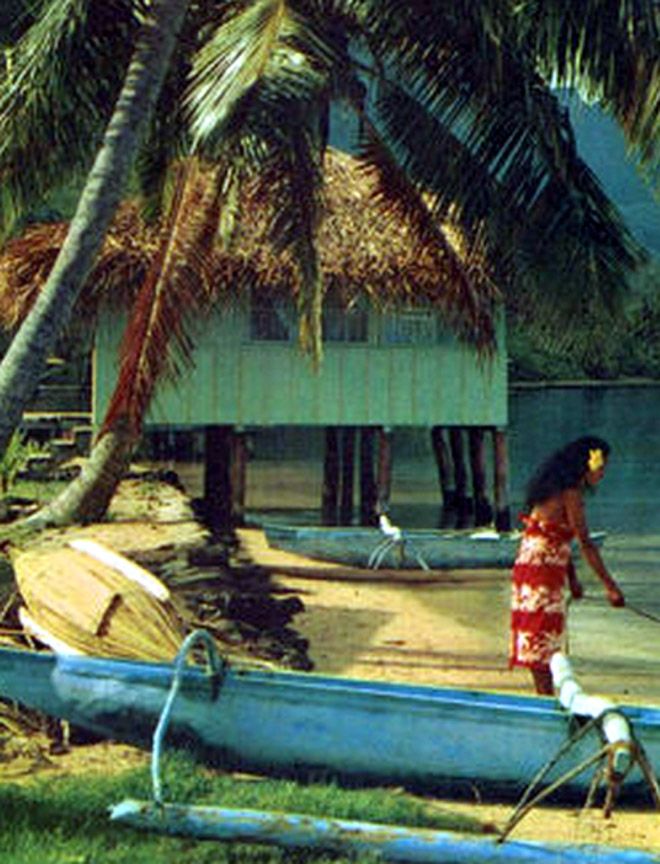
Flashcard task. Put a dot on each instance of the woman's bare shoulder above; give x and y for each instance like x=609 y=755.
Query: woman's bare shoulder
x=574 y=509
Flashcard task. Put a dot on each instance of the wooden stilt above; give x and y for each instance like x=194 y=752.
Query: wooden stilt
x=384 y=471
x=463 y=503
x=483 y=511
x=330 y=492
x=217 y=480
x=347 y=471
x=501 y=481
x=445 y=476
x=368 y=488
x=239 y=459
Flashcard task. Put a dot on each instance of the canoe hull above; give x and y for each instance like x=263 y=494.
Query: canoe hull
x=356 y=546
x=285 y=723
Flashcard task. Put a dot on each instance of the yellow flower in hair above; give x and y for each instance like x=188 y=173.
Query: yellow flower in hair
x=596 y=459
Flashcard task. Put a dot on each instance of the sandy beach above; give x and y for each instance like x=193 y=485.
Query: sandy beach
x=452 y=629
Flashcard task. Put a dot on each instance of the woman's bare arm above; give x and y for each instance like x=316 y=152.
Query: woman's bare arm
x=576 y=518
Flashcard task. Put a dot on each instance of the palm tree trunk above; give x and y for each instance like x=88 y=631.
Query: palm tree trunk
x=23 y=364
x=86 y=499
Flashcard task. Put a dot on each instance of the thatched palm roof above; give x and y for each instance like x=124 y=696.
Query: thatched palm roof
x=121 y=266
x=362 y=249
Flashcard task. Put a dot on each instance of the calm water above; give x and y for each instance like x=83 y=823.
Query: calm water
x=285 y=472
x=285 y=468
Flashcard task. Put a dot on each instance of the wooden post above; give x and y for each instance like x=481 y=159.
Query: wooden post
x=501 y=482
x=330 y=492
x=384 y=470
x=239 y=458
x=445 y=476
x=463 y=503
x=368 y=488
x=217 y=480
x=483 y=512
x=347 y=471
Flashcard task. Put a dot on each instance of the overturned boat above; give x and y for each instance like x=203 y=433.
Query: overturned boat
x=306 y=725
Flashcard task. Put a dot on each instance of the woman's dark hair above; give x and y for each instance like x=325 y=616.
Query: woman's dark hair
x=564 y=469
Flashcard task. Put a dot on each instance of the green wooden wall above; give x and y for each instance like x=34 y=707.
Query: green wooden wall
x=237 y=380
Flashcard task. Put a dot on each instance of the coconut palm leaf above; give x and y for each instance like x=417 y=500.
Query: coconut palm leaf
x=469 y=294
x=283 y=179
x=57 y=94
x=260 y=87
x=522 y=147
x=608 y=50
x=233 y=59
x=264 y=50
x=176 y=289
x=167 y=141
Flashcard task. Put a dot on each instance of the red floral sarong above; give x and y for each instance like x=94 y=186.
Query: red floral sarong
x=538 y=596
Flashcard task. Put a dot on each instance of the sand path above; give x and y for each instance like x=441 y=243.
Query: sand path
x=453 y=631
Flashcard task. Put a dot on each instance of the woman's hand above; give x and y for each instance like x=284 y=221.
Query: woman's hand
x=615 y=595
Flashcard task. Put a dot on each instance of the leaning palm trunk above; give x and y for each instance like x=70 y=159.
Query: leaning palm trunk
x=86 y=499
x=155 y=323
x=22 y=366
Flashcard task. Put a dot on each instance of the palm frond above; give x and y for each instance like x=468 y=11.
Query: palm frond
x=288 y=186
x=469 y=296
x=265 y=51
x=167 y=141
x=606 y=49
x=510 y=128
x=57 y=94
x=437 y=161
x=260 y=90
x=179 y=284
x=232 y=60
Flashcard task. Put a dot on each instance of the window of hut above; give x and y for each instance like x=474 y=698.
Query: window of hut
x=272 y=319
x=341 y=324
x=409 y=327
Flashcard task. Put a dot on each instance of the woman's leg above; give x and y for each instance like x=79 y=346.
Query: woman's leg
x=543 y=681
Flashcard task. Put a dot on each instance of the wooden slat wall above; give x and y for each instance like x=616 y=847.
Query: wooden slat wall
x=237 y=381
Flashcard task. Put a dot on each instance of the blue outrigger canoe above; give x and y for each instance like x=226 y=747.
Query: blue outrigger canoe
x=293 y=724
x=416 y=549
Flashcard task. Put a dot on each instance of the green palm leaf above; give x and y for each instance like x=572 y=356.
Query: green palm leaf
x=57 y=94
x=264 y=51
x=607 y=49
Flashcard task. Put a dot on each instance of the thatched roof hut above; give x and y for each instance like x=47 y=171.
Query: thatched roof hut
x=363 y=250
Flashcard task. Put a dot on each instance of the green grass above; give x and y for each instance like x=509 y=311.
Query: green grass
x=65 y=821
x=41 y=491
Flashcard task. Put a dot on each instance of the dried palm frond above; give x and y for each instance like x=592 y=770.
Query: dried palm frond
x=90 y=600
x=178 y=285
x=26 y=262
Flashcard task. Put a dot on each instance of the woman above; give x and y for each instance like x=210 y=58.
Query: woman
x=543 y=565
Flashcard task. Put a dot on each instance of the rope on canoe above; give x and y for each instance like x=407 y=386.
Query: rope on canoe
x=214 y=667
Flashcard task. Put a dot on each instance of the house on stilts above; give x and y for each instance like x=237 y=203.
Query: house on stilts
x=401 y=349
x=405 y=345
